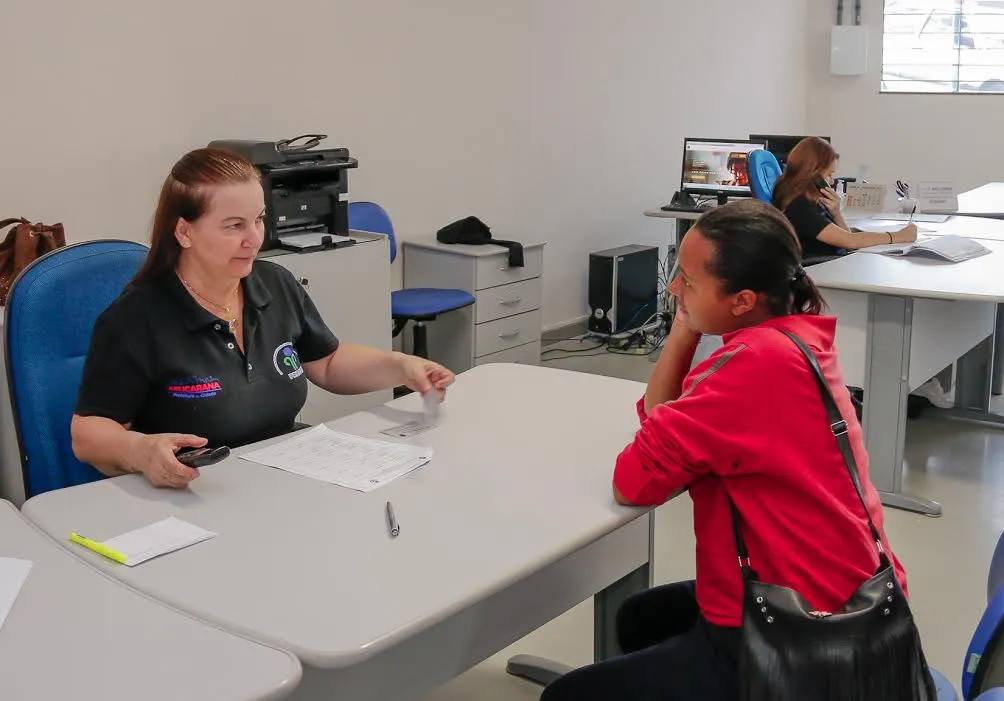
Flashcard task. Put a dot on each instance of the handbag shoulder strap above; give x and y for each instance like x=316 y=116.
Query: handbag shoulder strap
x=839 y=428
x=15 y=220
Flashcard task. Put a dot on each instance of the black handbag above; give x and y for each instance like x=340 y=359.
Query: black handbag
x=869 y=650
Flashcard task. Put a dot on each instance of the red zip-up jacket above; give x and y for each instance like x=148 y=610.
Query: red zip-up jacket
x=750 y=424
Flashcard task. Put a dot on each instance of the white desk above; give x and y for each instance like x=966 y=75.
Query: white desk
x=901 y=321
x=511 y=524
x=684 y=220
x=970 y=227
x=984 y=201
x=75 y=633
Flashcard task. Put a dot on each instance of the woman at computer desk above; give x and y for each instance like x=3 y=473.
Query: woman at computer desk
x=715 y=432
x=209 y=346
x=806 y=196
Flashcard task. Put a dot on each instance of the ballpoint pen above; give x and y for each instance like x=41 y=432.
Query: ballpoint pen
x=392 y=522
x=912 y=213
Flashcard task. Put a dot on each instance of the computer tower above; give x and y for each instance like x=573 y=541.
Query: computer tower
x=623 y=285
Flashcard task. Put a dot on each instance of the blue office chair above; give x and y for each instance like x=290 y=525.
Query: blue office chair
x=50 y=315
x=764 y=170
x=420 y=304
x=983 y=667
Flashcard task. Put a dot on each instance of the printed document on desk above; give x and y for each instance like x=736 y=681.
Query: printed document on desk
x=13 y=572
x=953 y=249
x=362 y=464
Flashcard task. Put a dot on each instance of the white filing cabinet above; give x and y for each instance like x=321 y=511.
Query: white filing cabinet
x=504 y=325
x=351 y=289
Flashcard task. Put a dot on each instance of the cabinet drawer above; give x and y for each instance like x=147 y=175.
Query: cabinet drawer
x=494 y=270
x=527 y=354
x=511 y=331
x=507 y=300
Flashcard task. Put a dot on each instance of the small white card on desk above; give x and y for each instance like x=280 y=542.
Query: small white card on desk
x=338 y=458
x=157 y=539
x=13 y=572
x=937 y=197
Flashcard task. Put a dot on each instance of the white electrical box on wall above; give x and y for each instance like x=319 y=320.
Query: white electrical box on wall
x=849 y=49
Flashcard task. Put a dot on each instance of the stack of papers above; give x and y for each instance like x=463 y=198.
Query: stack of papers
x=13 y=572
x=954 y=249
x=349 y=461
x=148 y=542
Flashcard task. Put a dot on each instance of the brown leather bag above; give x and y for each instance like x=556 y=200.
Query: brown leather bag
x=24 y=243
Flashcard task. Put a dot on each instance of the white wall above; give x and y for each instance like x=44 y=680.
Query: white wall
x=554 y=120
x=911 y=137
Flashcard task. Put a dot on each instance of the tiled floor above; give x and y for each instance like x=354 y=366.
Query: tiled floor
x=960 y=465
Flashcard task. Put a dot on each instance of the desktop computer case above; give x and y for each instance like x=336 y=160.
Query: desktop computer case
x=623 y=285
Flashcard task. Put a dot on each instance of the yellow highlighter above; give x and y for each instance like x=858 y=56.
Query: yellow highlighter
x=99 y=548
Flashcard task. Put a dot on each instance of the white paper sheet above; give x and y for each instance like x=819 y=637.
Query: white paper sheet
x=349 y=461
x=883 y=226
x=13 y=572
x=157 y=539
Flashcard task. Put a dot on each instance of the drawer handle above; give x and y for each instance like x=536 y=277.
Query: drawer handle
x=509 y=334
x=513 y=300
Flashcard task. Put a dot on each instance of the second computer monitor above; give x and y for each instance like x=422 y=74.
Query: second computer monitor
x=781 y=144
x=718 y=167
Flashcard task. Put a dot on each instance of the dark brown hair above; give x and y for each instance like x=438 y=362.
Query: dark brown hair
x=185 y=195
x=812 y=156
x=757 y=249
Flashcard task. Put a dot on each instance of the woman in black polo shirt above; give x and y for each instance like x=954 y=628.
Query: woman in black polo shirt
x=209 y=346
x=814 y=212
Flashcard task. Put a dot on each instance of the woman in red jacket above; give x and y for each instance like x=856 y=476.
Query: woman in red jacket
x=746 y=424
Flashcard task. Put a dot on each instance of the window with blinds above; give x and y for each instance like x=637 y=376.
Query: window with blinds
x=943 y=46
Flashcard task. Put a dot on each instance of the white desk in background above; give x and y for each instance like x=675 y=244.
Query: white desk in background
x=684 y=220
x=75 y=633
x=984 y=201
x=510 y=525
x=901 y=321
x=971 y=227
x=972 y=395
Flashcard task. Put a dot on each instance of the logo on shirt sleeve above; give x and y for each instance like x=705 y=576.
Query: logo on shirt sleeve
x=195 y=388
x=286 y=361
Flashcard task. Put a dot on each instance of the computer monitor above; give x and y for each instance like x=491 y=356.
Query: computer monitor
x=718 y=167
x=781 y=144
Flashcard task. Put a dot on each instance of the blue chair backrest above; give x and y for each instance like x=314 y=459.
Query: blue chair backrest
x=764 y=172
x=50 y=315
x=995 y=580
x=369 y=216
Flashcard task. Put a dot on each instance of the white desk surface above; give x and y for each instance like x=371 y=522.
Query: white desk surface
x=984 y=201
x=75 y=633
x=970 y=227
x=520 y=479
x=978 y=280
x=673 y=214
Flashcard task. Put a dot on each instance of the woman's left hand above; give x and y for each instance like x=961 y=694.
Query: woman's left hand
x=829 y=198
x=423 y=375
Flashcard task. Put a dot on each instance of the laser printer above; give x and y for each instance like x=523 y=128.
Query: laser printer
x=306 y=190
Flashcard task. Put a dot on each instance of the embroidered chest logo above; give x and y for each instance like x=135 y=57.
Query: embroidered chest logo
x=195 y=388
x=286 y=361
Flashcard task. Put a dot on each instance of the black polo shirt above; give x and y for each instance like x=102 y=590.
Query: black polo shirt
x=809 y=218
x=162 y=363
